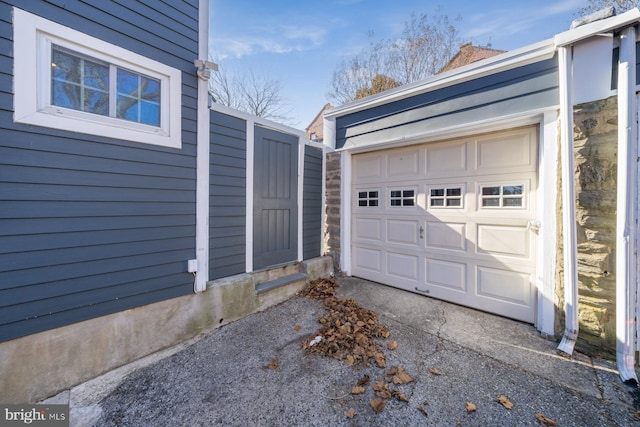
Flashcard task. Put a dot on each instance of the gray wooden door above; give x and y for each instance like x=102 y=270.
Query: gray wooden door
x=275 y=200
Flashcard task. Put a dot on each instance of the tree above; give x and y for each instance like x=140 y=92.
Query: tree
x=619 y=5
x=379 y=83
x=256 y=94
x=424 y=47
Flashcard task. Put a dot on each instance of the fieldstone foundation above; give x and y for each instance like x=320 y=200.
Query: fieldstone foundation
x=332 y=225
x=595 y=148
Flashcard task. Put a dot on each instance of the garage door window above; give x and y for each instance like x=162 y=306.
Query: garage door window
x=403 y=197
x=368 y=198
x=445 y=197
x=502 y=196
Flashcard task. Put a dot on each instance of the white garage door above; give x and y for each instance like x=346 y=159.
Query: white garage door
x=451 y=220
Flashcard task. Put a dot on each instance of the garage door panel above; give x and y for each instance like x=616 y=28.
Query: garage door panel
x=504 y=240
x=368 y=259
x=366 y=168
x=402 y=231
x=497 y=154
x=504 y=285
x=446 y=159
x=403 y=163
x=367 y=229
x=402 y=266
x=446 y=274
x=443 y=235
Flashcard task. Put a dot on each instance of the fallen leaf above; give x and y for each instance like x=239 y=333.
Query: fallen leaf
x=274 y=364
x=400 y=396
x=377 y=405
x=364 y=380
x=402 y=377
x=421 y=409
x=392 y=345
x=350 y=360
x=380 y=360
x=471 y=407
x=297 y=327
x=544 y=421
x=379 y=385
x=435 y=371
x=350 y=413
x=356 y=389
x=505 y=402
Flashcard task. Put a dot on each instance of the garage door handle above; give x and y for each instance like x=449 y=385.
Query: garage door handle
x=421 y=232
x=534 y=225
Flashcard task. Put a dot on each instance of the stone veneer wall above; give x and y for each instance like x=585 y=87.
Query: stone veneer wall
x=332 y=208
x=595 y=148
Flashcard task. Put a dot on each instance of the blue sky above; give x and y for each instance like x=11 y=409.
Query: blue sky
x=302 y=42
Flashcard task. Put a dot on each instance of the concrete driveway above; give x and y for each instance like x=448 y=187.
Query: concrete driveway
x=255 y=372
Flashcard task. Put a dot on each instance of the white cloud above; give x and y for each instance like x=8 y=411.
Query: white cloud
x=279 y=39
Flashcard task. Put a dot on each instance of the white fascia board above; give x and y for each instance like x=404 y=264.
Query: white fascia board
x=516 y=58
x=481 y=126
x=603 y=26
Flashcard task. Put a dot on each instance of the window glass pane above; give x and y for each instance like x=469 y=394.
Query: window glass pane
x=512 y=201
x=453 y=202
x=373 y=203
x=96 y=102
x=437 y=192
x=512 y=189
x=395 y=202
x=454 y=191
x=396 y=193
x=362 y=194
x=407 y=202
x=65 y=95
x=138 y=98
x=65 y=67
x=78 y=82
x=407 y=193
x=490 y=191
x=491 y=202
x=362 y=203
x=373 y=194
x=437 y=202
x=96 y=76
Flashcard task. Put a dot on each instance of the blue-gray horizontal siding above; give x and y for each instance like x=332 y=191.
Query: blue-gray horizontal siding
x=518 y=90
x=90 y=225
x=312 y=203
x=228 y=196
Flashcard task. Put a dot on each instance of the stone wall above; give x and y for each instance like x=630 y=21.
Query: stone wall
x=332 y=208
x=595 y=148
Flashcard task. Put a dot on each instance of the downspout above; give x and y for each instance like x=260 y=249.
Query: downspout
x=568 y=202
x=627 y=134
x=202 y=150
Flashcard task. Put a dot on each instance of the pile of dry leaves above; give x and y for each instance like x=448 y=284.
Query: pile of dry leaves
x=348 y=332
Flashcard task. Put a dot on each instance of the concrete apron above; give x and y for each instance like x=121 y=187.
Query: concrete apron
x=515 y=345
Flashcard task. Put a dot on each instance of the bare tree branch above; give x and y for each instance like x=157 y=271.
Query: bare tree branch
x=425 y=46
x=619 y=5
x=256 y=94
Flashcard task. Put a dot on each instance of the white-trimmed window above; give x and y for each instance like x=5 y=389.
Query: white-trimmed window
x=508 y=196
x=368 y=198
x=402 y=197
x=65 y=79
x=446 y=197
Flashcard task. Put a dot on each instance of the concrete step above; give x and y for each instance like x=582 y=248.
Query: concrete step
x=277 y=283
